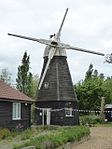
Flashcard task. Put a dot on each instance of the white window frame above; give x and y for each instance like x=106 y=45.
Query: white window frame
x=68 y=112
x=16 y=111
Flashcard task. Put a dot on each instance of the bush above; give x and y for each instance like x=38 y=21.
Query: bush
x=26 y=134
x=47 y=127
x=90 y=120
x=57 y=138
x=4 y=132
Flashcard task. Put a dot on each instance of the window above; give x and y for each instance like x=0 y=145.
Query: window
x=46 y=85
x=68 y=112
x=16 y=111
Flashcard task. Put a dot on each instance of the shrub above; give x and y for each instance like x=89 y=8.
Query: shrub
x=57 y=138
x=4 y=132
x=90 y=120
x=26 y=134
x=47 y=127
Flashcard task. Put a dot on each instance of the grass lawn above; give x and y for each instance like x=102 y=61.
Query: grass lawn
x=104 y=125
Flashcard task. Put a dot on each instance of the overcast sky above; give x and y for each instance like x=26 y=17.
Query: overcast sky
x=88 y=25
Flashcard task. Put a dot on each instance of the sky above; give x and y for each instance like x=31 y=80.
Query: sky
x=88 y=25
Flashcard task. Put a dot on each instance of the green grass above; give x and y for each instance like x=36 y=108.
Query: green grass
x=104 y=125
x=56 y=138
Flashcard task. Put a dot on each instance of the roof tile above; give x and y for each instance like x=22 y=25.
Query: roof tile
x=9 y=93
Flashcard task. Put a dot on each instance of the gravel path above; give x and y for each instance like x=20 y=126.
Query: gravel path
x=100 y=138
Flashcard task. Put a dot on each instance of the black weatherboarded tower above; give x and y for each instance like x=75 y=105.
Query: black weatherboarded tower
x=56 y=95
x=56 y=102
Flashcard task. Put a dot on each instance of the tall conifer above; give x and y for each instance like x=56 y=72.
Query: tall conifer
x=24 y=76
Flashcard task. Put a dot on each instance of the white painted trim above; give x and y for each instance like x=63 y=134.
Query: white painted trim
x=48 y=116
x=16 y=111
x=70 y=110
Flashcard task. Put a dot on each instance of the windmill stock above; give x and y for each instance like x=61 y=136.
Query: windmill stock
x=55 y=89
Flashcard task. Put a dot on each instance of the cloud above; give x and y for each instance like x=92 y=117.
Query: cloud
x=88 y=25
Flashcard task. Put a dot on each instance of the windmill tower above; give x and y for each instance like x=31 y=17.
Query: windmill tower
x=56 y=100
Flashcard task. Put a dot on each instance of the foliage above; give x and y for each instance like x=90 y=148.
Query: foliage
x=34 y=84
x=24 y=77
x=89 y=72
x=104 y=125
x=88 y=93
x=48 y=127
x=107 y=85
x=61 y=136
x=90 y=120
x=4 y=133
x=5 y=75
x=26 y=134
x=90 y=90
x=26 y=81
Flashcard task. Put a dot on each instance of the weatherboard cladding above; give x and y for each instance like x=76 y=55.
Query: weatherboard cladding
x=9 y=93
x=58 y=117
x=59 y=83
x=6 y=116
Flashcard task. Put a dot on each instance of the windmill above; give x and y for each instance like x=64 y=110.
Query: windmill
x=56 y=99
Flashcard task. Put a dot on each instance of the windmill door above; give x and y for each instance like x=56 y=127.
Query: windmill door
x=46 y=116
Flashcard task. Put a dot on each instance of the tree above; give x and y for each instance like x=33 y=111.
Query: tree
x=88 y=93
x=108 y=58
x=24 y=76
x=89 y=72
x=107 y=85
x=92 y=88
x=95 y=73
x=34 y=84
x=5 y=75
x=101 y=76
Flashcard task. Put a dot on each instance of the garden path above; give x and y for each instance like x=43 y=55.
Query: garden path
x=100 y=138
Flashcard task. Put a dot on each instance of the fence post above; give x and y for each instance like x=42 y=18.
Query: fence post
x=102 y=109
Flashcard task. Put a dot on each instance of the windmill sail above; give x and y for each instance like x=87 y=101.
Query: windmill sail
x=59 y=31
x=66 y=46
x=42 y=41
x=51 y=54
x=55 y=86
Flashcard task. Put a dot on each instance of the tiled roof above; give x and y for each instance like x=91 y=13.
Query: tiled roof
x=9 y=93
